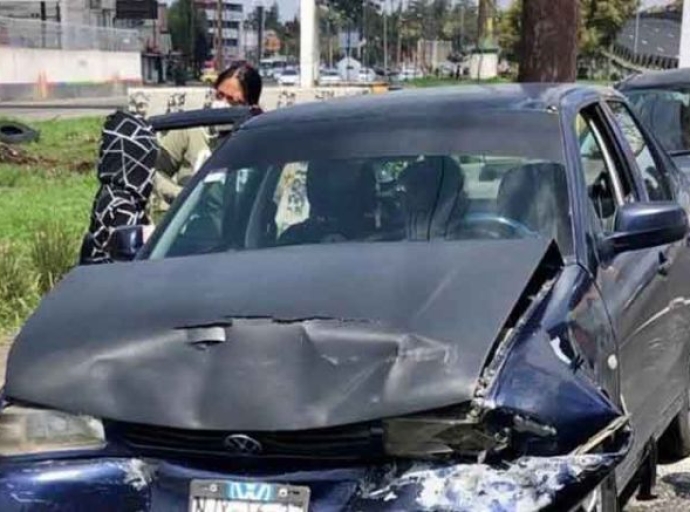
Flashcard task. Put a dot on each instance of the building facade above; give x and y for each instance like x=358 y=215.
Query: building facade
x=95 y=13
x=29 y=10
x=230 y=18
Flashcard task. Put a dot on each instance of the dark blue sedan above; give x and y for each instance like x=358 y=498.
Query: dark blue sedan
x=467 y=299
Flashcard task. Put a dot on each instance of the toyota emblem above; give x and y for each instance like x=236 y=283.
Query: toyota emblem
x=242 y=445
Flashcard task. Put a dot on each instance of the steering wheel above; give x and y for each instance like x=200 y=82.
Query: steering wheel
x=497 y=226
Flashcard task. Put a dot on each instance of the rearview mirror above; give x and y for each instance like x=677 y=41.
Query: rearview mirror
x=125 y=242
x=644 y=225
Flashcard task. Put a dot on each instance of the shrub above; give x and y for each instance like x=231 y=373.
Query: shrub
x=18 y=286
x=53 y=251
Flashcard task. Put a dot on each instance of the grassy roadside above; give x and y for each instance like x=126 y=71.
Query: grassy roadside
x=46 y=189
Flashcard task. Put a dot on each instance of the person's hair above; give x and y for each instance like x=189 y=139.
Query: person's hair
x=248 y=77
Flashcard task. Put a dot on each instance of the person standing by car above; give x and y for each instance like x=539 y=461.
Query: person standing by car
x=184 y=151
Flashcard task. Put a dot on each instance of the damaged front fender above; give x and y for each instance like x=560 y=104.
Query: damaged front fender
x=528 y=484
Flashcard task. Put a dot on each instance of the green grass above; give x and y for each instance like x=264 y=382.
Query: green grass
x=46 y=190
x=432 y=81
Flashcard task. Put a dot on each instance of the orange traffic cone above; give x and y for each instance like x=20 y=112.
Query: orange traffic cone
x=42 y=86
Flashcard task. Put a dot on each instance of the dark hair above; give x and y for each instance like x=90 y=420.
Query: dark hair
x=248 y=77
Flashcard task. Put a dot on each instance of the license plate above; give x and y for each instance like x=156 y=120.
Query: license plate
x=232 y=496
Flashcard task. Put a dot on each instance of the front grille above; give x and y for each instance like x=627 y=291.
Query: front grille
x=362 y=441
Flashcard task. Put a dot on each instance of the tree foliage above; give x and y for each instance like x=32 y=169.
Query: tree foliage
x=188 y=32
x=599 y=25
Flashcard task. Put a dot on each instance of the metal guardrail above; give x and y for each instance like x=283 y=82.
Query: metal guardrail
x=21 y=33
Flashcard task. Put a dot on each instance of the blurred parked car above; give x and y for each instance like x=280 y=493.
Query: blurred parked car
x=662 y=101
x=289 y=77
x=329 y=77
x=366 y=75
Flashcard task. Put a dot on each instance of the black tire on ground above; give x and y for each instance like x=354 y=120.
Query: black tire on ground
x=12 y=132
x=674 y=444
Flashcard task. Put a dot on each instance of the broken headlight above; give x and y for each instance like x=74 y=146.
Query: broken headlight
x=25 y=431
x=423 y=437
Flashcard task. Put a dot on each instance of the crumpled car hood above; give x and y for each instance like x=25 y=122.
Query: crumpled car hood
x=278 y=339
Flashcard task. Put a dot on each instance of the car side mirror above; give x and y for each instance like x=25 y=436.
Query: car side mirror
x=125 y=242
x=644 y=225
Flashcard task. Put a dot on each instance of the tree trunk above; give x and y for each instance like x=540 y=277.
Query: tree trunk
x=548 y=48
x=485 y=13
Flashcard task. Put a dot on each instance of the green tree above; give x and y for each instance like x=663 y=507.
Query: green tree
x=188 y=32
x=461 y=25
x=509 y=30
x=599 y=25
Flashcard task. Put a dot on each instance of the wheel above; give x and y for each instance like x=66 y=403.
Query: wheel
x=12 y=132
x=674 y=444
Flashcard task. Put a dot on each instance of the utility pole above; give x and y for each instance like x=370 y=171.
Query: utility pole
x=308 y=44
x=260 y=33
x=684 y=57
x=43 y=24
x=400 y=27
x=385 y=40
x=637 y=27
x=363 y=40
x=219 y=36
x=462 y=25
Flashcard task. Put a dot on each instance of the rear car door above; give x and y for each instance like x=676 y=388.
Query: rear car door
x=631 y=284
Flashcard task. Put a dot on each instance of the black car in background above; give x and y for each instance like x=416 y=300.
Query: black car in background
x=662 y=102
x=456 y=299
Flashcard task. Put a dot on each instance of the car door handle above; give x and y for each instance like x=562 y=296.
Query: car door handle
x=664 y=264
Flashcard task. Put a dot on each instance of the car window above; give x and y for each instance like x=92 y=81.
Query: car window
x=666 y=112
x=605 y=189
x=653 y=175
x=460 y=197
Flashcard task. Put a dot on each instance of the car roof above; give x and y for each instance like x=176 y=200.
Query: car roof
x=666 y=78
x=442 y=102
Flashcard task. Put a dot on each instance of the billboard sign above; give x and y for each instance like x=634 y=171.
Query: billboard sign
x=136 y=9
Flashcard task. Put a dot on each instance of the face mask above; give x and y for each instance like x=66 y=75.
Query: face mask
x=219 y=104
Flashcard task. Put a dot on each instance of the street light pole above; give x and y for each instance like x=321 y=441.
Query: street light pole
x=385 y=40
x=637 y=28
x=219 y=35
x=684 y=57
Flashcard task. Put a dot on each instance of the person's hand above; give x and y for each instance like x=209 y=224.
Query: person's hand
x=147 y=231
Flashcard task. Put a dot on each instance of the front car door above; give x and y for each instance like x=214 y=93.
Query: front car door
x=657 y=184
x=631 y=284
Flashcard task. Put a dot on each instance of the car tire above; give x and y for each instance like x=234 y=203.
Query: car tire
x=674 y=444
x=12 y=132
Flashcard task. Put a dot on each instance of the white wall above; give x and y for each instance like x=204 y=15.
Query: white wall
x=31 y=66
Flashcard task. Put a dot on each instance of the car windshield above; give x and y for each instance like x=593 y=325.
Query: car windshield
x=336 y=190
x=667 y=113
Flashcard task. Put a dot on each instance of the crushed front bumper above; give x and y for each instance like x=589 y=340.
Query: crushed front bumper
x=131 y=484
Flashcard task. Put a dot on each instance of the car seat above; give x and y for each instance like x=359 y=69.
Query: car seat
x=433 y=198
x=536 y=195
x=342 y=198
